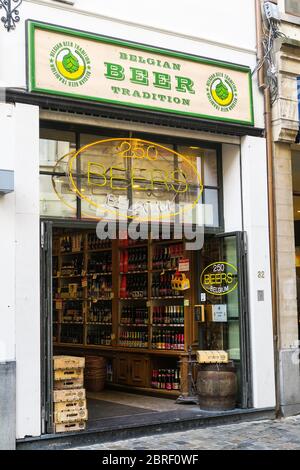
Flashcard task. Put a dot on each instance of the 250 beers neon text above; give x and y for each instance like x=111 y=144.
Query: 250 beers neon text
x=119 y=177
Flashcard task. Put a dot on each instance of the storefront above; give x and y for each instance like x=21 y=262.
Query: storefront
x=112 y=284
x=113 y=296
x=153 y=245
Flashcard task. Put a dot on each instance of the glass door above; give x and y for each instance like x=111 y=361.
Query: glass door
x=224 y=322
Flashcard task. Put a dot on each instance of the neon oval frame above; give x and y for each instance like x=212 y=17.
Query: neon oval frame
x=86 y=147
x=219 y=262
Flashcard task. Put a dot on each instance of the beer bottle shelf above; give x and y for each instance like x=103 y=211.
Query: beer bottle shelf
x=71 y=253
x=123 y=335
x=132 y=247
x=70 y=276
x=168 y=297
x=134 y=272
x=99 y=250
x=132 y=298
x=163 y=269
x=99 y=274
x=98 y=299
x=71 y=299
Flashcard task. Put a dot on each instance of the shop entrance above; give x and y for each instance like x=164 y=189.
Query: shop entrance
x=114 y=299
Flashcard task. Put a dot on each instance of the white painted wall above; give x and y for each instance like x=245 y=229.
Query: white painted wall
x=19 y=254
x=254 y=171
x=214 y=28
x=232 y=196
x=188 y=18
x=7 y=240
x=27 y=268
x=251 y=196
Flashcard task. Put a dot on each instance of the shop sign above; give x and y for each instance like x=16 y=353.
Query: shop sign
x=128 y=178
x=219 y=313
x=219 y=278
x=81 y=65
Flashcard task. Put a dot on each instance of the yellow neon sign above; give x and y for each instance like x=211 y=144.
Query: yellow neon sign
x=120 y=178
x=219 y=278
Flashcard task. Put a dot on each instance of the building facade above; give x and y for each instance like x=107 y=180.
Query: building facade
x=42 y=120
x=285 y=123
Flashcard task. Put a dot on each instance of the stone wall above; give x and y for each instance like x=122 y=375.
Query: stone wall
x=285 y=128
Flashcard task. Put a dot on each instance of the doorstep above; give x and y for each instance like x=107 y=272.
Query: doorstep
x=126 y=427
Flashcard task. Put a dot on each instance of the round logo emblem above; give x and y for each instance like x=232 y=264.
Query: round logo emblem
x=70 y=64
x=221 y=92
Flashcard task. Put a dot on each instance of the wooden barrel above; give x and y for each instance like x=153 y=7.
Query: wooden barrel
x=217 y=386
x=95 y=373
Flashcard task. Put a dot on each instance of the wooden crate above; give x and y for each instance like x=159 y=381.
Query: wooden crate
x=70 y=416
x=68 y=362
x=213 y=357
x=70 y=427
x=63 y=374
x=68 y=395
x=66 y=384
x=75 y=405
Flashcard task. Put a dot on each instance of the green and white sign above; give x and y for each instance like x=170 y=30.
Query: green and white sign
x=81 y=65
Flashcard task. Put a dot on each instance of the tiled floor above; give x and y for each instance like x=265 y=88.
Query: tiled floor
x=139 y=401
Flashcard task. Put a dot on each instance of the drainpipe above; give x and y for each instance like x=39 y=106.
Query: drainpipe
x=271 y=196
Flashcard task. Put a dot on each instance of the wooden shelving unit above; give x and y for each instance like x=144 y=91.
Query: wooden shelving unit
x=132 y=366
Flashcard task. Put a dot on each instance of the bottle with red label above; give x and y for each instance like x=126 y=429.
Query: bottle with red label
x=125 y=261
x=121 y=262
x=123 y=287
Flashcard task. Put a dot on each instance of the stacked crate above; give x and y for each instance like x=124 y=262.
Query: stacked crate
x=70 y=411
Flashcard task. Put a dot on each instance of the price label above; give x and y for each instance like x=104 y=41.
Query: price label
x=184 y=265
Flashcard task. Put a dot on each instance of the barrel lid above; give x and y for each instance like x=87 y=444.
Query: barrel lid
x=224 y=367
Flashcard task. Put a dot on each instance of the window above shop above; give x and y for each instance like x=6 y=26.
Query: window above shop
x=89 y=176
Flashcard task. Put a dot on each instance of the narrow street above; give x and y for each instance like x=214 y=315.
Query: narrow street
x=281 y=434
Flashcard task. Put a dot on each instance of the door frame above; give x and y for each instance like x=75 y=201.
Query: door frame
x=46 y=318
x=46 y=314
x=244 y=320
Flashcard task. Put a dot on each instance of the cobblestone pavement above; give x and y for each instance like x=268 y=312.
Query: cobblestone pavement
x=256 y=435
